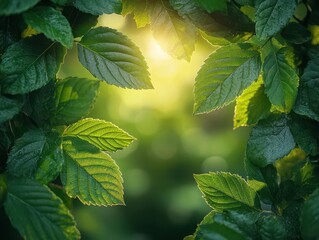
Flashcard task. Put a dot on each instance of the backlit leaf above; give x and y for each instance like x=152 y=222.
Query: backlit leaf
x=140 y=9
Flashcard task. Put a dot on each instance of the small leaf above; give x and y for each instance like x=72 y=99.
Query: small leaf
x=270 y=140
x=99 y=7
x=224 y=76
x=213 y=6
x=9 y=107
x=252 y=106
x=30 y=64
x=174 y=35
x=37 y=213
x=224 y=191
x=272 y=228
x=296 y=33
x=104 y=135
x=52 y=23
x=112 y=57
x=307 y=103
x=8 y=7
x=309 y=218
x=74 y=98
x=90 y=174
x=280 y=78
x=272 y=16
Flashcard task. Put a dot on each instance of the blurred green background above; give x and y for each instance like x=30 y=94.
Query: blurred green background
x=162 y=199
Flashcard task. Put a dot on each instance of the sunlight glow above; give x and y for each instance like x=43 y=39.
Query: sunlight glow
x=155 y=51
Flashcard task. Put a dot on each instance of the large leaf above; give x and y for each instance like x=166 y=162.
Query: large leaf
x=104 y=135
x=272 y=15
x=112 y=57
x=224 y=191
x=309 y=218
x=140 y=9
x=74 y=98
x=272 y=228
x=9 y=106
x=224 y=76
x=252 y=105
x=270 y=140
x=174 y=35
x=8 y=7
x=30 y=64
x=37 y=213
x=307 y=102
x=280 y=78
x=90 y=174
x=52 y=23
x=99 y=7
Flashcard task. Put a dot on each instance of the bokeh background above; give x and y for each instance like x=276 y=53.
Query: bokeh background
x=162 y=199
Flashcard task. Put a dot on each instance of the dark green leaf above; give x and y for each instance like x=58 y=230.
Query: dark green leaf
x=224 y=76
x=280 y=78
x=80 y=22
x=74 y=98
x=90 y=174
x=272 y=227
x=245 y=2
x=3 y=189
x=270 y=140
x=52 y=23
x=309 y=218
x=307 y=102
x=224 y=191
x=61 y=2
x=213 y=6
x=217 y=231
x=30 y=64
x=9 y=32
x=99 y=7
x=8 y=7
x=272 y=16
x=112 y=57
x=291 y=215
x=104 y=135
x=37 y=213
x=296 y=33
x=9 y=107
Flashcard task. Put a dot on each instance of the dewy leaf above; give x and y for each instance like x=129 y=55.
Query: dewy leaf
x=30 y=64
x=213 y=6
x=140 y=9
x=174 y=35
x=37 y=213
x=252 y=105
x=104 y=135
x=9 y=107
x=270 y=140
x=309 y=218
x=8 y=7
x=272 y=228
x=224 y=191
x=307 y=102
x=272 y=16
x=280 y=78
x=112 y=57
x=99 y=7
x=90 y=174
x=224 y=76
x=52 y=23
x=74 y=98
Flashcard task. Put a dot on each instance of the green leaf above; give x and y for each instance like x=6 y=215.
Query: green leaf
x=112 y=57
x=272 y=228
x=218 y=231
x=99 y=7
x=270 y=140
x=9 y=107
x=213 y=6
x=74 y=98
x=280 y=78
x=8 y=7
x=37 y=213
x=90 y=174
x=272 y=16
x=174 y=35
x=52 y=23
x=291 y=215
x=296 y=33
x=252 y=106
x=224 y=191
x=307 y=102
x=309 y=218
x=245 y=2
x=61 y=2
x=224 y=76
x=104 y=135
x=140 y=9
x=30 y=64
